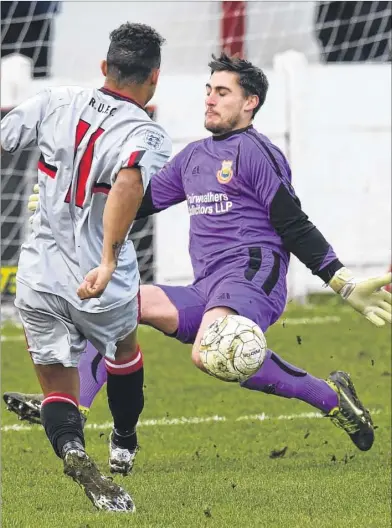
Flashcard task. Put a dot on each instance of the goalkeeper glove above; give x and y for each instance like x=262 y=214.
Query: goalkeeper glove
x=33 y=202
x=365 y=296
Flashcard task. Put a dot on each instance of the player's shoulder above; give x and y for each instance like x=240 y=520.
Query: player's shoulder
x=187 y=151
x=146 y=123
x=255 y=141
x=54 y=95
x=150 y=135
x=65 y=93
x=257 y=144
x=60 y=96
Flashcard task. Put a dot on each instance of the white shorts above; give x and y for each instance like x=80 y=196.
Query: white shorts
x=56 y=332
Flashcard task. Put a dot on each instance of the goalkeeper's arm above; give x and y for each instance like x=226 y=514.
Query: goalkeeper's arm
x=164 y=189
x=146 y=208
x=305 y=241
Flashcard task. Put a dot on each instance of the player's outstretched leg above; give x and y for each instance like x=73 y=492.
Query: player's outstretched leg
x=126 y=401
x=335 y=397
x=92 y=374
x=350 y=415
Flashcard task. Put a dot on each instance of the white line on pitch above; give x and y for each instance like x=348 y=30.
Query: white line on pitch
x=325 y=319
x=5 y=338
x=192 y=420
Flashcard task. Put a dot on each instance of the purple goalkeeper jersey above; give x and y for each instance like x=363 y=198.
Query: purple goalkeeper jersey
x=228 y=182
x=239 y=195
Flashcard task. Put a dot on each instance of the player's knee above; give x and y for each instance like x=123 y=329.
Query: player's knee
x=146 y=302
x=157 y=310
x=196 y=358
x=127 y=348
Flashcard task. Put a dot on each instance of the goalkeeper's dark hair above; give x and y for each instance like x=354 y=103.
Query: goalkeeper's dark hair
x=251 y=78
x=134 y=51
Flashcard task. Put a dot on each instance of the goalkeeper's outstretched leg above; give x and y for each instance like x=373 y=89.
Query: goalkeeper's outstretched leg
x=162 y=308
x=350 y=415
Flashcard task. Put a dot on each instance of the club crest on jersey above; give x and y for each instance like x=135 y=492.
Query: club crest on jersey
x=225 y=173
x=154 y=139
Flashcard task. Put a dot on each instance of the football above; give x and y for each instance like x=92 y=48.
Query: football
x=233 y=348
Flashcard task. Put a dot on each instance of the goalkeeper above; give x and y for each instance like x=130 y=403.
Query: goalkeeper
x=245 y=220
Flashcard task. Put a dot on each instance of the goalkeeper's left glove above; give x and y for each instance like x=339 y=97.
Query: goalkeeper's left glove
x=33 y=202
x=366 y=295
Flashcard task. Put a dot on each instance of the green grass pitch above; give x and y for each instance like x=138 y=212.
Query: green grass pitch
x=207 y=448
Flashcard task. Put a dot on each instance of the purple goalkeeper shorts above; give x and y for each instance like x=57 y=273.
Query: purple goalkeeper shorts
x=253 y=284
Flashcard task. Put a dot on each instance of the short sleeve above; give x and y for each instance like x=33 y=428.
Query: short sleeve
x=19 y=128
x=148 y=149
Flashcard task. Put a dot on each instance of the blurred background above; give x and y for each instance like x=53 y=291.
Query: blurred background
x=328 y=108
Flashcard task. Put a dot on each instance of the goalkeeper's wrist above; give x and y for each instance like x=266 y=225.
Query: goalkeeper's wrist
x=339 y=282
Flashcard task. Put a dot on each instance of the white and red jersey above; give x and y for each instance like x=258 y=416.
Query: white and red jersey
x=85 y=137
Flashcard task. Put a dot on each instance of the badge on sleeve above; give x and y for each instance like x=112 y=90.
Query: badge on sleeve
x=154 y=139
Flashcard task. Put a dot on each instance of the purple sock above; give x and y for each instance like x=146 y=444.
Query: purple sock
x=93 y=375
x=276 y=376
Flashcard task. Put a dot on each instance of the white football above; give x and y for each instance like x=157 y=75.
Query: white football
x=233 y=348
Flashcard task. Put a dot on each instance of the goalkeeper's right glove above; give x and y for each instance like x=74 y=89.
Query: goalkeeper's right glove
x=33 y=202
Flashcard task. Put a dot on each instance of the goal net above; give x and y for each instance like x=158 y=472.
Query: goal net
x=66 y=40
x=323 y=31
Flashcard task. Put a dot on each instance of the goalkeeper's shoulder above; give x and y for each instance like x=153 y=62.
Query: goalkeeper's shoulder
x=185 y=154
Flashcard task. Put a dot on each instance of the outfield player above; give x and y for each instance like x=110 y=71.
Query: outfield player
x=77 y=275
x=245 y=220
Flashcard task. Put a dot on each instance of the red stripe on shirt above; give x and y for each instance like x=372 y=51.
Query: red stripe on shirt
x=44 y=168
x=135 y=158
x=132 y=159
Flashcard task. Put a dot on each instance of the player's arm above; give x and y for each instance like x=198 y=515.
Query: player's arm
x=19 y=128
x=120 y=211
x=165 y=188
x=160 y=194
x=119 y=214
x=307 y=243
x=302 y=238
x=143 y=153
x=147 y=207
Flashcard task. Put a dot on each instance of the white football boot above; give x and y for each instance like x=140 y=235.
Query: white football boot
x=120 y=460
x=105 y=494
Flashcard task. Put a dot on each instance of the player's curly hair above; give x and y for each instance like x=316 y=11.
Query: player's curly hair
x=252 y=79
x=134 y=51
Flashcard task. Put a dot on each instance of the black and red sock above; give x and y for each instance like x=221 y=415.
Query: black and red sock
x=62 y=422
x=125 y=397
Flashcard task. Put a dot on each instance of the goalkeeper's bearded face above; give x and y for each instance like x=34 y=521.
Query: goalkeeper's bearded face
x=227 y=106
